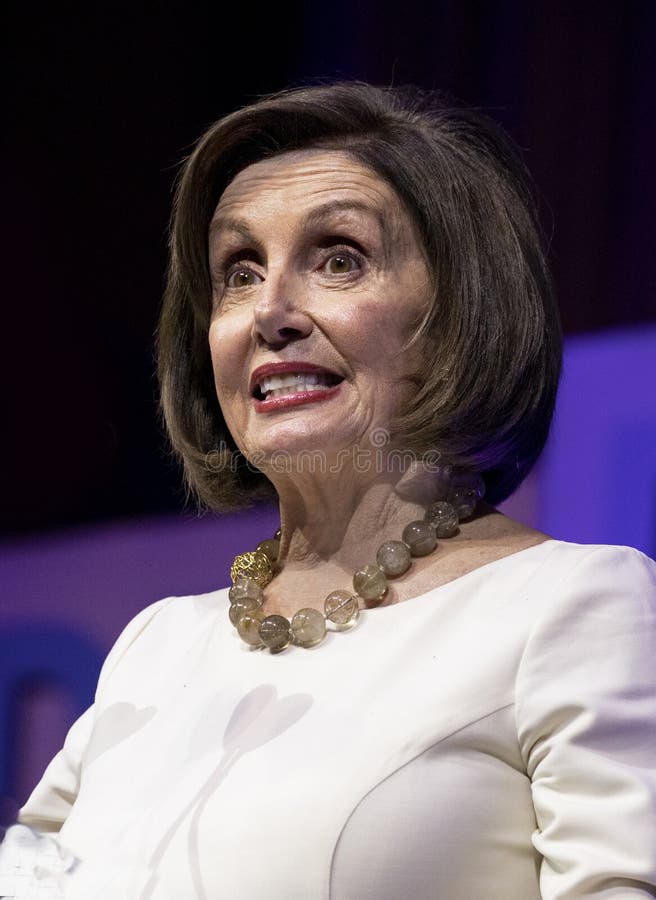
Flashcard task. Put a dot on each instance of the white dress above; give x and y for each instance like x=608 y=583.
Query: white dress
x=494 y=738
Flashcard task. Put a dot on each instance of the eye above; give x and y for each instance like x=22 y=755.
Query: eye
x=342 y=263
x=242 y=277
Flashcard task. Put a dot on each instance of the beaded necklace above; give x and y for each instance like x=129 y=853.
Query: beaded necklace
x=252 y=571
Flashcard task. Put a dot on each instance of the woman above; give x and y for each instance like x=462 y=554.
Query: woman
x=359 y=318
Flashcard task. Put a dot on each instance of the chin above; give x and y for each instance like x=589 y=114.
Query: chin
x=300 y=453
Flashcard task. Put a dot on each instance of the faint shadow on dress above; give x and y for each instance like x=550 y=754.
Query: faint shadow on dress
x=258 y=718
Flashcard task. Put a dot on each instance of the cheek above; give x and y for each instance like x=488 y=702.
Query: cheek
x=225 y=353
x=226 y=379
x=376 y=331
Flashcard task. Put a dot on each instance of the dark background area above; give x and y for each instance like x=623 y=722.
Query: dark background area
x=102 y=103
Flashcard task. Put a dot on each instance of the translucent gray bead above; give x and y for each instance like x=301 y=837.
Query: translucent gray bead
x=275 y=632
x=242 y=606
x=370 y=583
x=248 y=627
x=394 y=558
x=308 y=627
x=444 y=519
x=341 y=609
x=463 y=489
x=245 y=587
x=464 y=502
x=270 y=548
x=420 y=537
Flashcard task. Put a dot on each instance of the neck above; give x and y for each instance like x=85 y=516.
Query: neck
x=340 y=520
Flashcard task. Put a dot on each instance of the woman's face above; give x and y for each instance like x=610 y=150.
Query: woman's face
x=318 y=280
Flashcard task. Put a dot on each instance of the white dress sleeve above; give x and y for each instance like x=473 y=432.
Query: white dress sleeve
x=53 y=797
x=33 y=864
x=586 y=720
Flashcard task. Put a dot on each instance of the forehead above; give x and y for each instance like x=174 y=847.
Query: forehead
x=300 y=180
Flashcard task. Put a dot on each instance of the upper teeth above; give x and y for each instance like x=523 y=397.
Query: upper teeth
x=304 y=381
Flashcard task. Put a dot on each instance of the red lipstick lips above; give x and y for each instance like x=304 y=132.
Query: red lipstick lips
x=298 y=398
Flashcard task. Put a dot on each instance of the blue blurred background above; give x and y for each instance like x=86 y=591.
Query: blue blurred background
x=103 y=103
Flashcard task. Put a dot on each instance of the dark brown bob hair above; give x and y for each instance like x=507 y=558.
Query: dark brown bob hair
x=490 y=384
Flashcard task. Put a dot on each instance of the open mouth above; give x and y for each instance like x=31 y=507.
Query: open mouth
x=291 y=383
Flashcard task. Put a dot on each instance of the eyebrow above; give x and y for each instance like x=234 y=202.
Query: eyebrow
x=318 y=215
x=326 y=211
x=315 y=217
x=229 y=223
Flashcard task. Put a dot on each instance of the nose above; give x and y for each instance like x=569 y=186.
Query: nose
x=279 y=316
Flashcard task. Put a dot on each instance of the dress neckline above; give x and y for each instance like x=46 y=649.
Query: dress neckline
x=456 y=582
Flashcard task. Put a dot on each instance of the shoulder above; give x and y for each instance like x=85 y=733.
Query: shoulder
x=590 y=599
x=603 y=575
x=568 y=554
x=593 y=632
x=594 y=565
x=170 y=621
